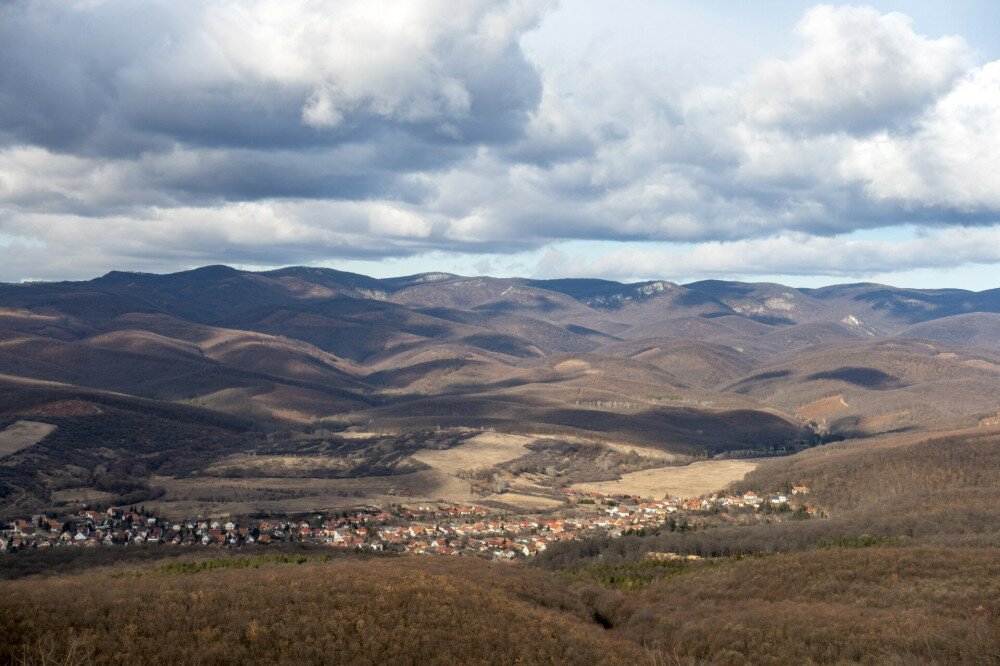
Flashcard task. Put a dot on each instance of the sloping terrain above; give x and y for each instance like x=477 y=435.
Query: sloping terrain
x=898 y=564
x=218 y=391
x=305 y=610
x=707 y=368
x=979 y=329
x=905 y=569
x=872 y=386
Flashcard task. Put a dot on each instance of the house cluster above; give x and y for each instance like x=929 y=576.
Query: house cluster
x=115 y=526
x=632 y=505
x=439 y=529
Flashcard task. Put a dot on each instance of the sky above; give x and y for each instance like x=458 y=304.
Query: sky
x=765 y=141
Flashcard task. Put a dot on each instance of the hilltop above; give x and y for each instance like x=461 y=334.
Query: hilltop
x=137 y=371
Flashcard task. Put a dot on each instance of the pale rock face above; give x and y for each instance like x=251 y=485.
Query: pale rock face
x=516 y=291
x=782 y=304
x=744 y=308
x=655 y=288
x=853 y=322
x=639 y=293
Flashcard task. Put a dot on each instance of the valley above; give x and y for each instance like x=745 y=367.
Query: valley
x=305 y=389
x=635 y=453
x=515 y=332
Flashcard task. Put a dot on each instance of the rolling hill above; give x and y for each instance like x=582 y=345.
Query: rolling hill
x=707 y=368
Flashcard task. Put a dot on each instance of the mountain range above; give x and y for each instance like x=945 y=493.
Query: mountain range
x=673 y=365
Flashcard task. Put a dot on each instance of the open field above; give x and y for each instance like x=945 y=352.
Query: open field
x=692 y=480
x=644 y=451
x=524 y=501
x=483 y=450
x=84 y=495
x=823 y=408
x=349 y=434
x=222 y=496
x=230 y=496
x=290 y=489
x=620 y=447
x=276 y=465
x=23 y=434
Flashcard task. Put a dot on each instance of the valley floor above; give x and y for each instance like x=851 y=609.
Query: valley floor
x=429 y=528
x=870 y=551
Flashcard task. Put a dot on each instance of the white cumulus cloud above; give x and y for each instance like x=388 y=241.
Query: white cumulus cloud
x=858 y=69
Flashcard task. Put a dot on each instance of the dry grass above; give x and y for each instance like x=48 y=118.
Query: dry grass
x=448 y=487
x=288 y=404
x=483 y=450
x=573 y=365
x=694 y=480
x=823 y=408
x=23 y=434
x=980 y=364
x=349 y=434
x=276 y=465
x=288 y=488
x=623 y=447
x=524 y=501
x=222 y=496
x=84 y=495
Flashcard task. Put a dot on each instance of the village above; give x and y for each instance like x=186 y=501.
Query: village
x=435 y=528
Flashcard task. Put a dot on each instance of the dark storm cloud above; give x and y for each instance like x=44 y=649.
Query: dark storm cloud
x=119 y=78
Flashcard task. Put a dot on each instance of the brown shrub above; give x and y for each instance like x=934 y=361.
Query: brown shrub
x=876 y=605
x=406 y=610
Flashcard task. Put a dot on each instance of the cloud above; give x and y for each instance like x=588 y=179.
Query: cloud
x=949 y=161
x=858 y=70
x=110 y=108
x=45 y=245
x=786 y=254
x=111 y=77
x=161 y=135
x=609 y=156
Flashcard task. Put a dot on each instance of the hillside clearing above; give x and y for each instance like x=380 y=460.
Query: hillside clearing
x=694 y=480
x=23 y=434
x=483 y=450
x=823 y=408
x=275 y=465
x=83 y=495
